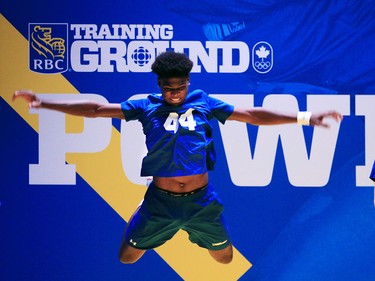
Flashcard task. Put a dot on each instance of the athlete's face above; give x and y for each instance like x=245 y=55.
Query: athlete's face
x=174 y=90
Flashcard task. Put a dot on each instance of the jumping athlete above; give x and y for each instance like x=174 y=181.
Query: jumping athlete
x=180 y=154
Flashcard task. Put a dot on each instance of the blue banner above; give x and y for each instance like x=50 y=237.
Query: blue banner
x=298 y=200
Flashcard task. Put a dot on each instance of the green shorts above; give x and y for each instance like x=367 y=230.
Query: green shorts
x=162 y=214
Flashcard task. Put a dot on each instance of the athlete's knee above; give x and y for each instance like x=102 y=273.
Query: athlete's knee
x=224 y=256
x=225 y=259
x=129 y=258
x=126 y=259
x=129 y=255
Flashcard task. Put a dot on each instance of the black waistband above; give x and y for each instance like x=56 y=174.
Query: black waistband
x=181 y=194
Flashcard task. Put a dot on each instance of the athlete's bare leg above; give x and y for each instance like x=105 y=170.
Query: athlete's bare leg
x=223 y=256
x=129 y=254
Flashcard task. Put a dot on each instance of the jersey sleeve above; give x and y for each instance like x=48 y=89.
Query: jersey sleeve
x=372 y=174
x=133 y=109
x=220 y=110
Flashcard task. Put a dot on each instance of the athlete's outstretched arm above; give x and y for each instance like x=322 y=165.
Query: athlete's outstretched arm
x=259 y=116
x=73 y=107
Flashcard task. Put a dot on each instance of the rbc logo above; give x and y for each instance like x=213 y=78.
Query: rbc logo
x=48 y=48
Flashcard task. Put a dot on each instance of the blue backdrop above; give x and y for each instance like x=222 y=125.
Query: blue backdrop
x=294 y=214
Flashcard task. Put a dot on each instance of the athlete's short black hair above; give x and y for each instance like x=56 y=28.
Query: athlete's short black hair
x=172 y=64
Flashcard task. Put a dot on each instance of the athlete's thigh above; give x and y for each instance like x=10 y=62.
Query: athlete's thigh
x=151 y=225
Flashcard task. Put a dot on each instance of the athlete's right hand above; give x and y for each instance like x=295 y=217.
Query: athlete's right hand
x=29 y=96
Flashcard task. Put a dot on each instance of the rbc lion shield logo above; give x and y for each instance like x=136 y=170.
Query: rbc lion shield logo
x=48 y=52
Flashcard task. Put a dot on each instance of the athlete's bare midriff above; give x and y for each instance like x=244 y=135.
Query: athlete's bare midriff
x=181 y=184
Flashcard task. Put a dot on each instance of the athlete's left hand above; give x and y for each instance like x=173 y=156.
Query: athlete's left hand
x=318 y=119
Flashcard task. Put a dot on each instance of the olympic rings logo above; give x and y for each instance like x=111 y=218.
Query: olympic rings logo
x=262 y=65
